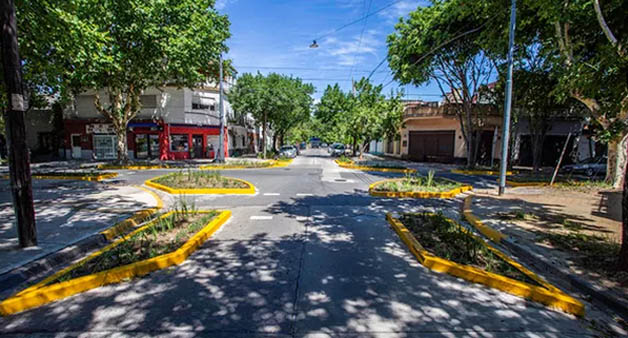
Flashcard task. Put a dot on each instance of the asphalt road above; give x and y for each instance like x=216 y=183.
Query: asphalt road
x=310 y=254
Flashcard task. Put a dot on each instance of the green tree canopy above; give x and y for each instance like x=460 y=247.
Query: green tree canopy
x=276 y=101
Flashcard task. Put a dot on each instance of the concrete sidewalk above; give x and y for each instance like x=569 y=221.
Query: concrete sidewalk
x=66 y=212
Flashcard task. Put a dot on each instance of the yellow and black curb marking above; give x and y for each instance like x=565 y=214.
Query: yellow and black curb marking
x=41 y=293
x=492 y=234
x=273 y=164
x=546 y=294
x=96 y=178
x=479 y=172
x=367 y=168
x=133 y=221
x=415 y=194
x=250 y=190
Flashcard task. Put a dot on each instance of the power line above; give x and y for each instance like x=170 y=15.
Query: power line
x=360 y=40
x=306 y=68
x=358 y=20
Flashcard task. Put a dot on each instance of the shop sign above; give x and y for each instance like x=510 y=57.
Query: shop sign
x=99 y=128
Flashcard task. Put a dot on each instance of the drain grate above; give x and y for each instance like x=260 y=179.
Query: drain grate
x=340 y=180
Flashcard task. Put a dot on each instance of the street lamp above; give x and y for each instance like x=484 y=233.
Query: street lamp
x=314 y=44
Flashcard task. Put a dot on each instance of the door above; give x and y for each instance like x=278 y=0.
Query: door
x=197 y=144
x=212 y=144
x=76 y=145
x=153 y=148
x=141 y=146
x=432 y=146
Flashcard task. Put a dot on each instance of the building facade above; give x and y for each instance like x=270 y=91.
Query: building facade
x=173 y=124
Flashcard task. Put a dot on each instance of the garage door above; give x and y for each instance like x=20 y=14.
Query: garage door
x=432 y=146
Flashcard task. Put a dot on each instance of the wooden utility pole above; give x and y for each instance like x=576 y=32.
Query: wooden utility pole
x=19 y=162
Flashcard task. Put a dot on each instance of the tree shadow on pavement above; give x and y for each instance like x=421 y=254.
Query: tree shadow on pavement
x=346 y=273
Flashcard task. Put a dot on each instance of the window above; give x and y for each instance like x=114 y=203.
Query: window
x=202 y=102
x=148 y=101
x=105 y=146
x=179 y=143
x=141 y=146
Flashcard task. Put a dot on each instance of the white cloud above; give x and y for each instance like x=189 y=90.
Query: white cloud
x=354 y=47
x=401 y=9
x=221 y=4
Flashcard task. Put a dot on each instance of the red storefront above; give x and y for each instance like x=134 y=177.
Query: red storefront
x=146 y=140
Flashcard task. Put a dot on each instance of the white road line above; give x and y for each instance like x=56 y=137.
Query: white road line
x=261 y=218
x=302 y=218
x=271 y=194
x=299 y=194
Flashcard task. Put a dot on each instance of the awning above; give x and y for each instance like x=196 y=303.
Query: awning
x=142 y=124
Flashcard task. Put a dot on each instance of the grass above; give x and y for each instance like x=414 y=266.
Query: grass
x=591 y=252
x=446 y=239
x=344 y=159
x=240 y=163
x=163 y=236
x=192 y=179
x=379 y=164
x=417 y=183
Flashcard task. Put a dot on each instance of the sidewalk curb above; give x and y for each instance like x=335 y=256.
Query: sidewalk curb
x=38 y=268
x=603 y=297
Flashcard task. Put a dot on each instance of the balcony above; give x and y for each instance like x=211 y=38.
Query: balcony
x=434 y=109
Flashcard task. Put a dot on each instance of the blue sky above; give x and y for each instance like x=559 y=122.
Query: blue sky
x=274 y=36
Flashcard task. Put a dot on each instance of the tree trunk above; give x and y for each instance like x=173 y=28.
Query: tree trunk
x=537 y=152
x=354 y=145
x=616 y=162
x=123 y=154
x=275 y=142
x=19 y=161
x=264 y=121
x=623 y=252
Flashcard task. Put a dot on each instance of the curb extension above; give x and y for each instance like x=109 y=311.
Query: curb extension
x=137 y=218
x=415 y=194
x=548 y=295
x=584 y=286
x=494 y=235
x=217 y=191
x=273 y=164
x=367 y=168
x=479 y=172
x=97 y=178
x=40 y=294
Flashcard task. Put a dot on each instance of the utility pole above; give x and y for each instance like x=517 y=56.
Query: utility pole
x=508 y=102
x=221 y=147
x=19 y=163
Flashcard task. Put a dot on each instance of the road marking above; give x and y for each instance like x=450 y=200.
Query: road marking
x=302 y=218
x=271 y=194
x=300 y=194
x=261 y=218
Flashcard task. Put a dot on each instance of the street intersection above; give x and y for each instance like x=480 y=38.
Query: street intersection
x=310 y=254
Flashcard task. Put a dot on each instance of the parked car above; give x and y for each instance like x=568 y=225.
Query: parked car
x=323 y=145
x=337 y=149
x=288 y=151
x=303 y=145
x=592 y=166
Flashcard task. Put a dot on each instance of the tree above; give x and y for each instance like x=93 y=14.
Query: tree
x=147 y=43
x=433 y=44
x=275 y=100
x=328 y=115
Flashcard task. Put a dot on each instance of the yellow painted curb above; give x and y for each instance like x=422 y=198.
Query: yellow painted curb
x=272 y=164
x=78 y=178
x=131 y=222
x=40 y=293
x=415 y=194
x=132 y=167
x=367 y=168
x=494 y=235
x=221 y=191
x=478 y=172
x=547 y=294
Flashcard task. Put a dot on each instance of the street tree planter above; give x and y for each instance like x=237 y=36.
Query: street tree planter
x=52 y=289
x=542 y=292
x=374 y=191
x=244 y=187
